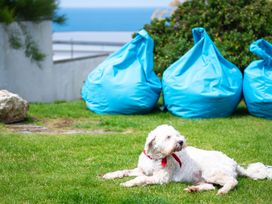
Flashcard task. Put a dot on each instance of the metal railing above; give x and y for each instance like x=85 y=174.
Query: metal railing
x=87 y=43
x=74 y=44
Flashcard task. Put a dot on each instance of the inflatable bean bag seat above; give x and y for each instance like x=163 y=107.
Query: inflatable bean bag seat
x=202 y=83
x=258 y=81
x=125 y=82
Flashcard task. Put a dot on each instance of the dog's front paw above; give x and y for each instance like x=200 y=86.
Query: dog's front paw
x=108 y=176
x=221 y=192
x=127 y=184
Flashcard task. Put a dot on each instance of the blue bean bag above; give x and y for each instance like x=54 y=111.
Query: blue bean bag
x=258 y=81
x=202 y=83
x=125 y=82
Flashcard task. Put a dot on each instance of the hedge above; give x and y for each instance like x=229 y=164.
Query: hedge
x=232 y=24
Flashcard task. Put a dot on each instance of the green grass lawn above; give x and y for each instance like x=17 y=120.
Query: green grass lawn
x=65 y=168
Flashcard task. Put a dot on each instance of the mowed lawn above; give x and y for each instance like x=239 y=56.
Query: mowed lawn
x=63 y=165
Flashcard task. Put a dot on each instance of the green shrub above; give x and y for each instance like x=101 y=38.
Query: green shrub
x=29 y=10
x=232 y=24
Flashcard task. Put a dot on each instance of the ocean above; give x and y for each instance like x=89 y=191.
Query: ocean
x=96 y=25
x=104 y=19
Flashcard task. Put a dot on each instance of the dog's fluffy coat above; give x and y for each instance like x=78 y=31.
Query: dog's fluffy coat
x=201 y=167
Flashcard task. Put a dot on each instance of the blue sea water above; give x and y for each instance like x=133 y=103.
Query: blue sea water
x=104 y=19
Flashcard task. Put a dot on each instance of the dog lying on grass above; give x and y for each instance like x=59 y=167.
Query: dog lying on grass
x=166 y=158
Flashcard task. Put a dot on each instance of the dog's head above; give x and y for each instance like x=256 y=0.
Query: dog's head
x=163 y=141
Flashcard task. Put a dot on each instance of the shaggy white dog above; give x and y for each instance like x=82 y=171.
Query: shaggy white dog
x=166 y=158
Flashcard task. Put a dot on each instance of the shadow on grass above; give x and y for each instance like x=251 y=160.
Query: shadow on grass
x=241 y=111
x=30 y=119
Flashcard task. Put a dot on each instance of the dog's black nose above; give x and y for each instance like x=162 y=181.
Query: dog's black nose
x=180 y=142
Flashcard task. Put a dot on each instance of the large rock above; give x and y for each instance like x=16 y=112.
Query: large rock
x=12 y=107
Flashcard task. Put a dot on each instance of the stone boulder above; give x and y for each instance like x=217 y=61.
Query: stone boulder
x=12 y=107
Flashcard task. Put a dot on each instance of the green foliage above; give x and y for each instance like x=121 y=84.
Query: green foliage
x=232 y=24
x=32 y=51
x=29 y=10
x=19 y=37
x=15 y=40
x=6 y=14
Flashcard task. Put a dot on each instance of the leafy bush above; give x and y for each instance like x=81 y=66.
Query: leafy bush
x=232 y=24
x=29 y=10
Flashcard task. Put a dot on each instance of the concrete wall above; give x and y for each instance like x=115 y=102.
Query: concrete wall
x=3 y=68
x=70 y=75
x=49 y=82
x=21 y=75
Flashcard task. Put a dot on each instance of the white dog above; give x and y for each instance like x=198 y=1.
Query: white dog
x=166 y=158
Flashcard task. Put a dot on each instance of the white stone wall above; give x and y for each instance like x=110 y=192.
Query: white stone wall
x=3 y=68
x=49 y=82
x=70 y=75
x=20 y=74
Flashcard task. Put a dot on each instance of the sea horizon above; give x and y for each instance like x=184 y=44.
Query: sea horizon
x=104 y=19
x=85 y=28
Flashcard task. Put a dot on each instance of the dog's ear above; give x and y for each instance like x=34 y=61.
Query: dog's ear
x=150 y=145
x=150 y=141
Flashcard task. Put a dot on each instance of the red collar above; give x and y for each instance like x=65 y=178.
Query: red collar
x=164 y=160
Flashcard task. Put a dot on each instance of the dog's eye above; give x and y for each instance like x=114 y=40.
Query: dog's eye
x=168 y=137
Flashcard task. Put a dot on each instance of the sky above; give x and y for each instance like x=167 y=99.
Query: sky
x=114 y=3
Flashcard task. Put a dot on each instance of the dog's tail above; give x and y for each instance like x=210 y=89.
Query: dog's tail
x=256 y=171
